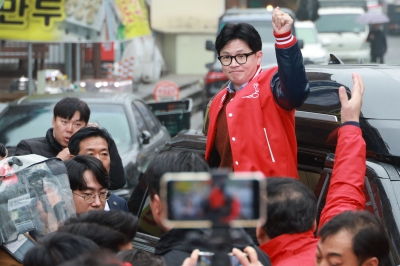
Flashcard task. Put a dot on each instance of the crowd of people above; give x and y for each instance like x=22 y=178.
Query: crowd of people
x=251 y=128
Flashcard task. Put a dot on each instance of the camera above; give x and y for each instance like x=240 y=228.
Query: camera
x=221 y=201
x=201 y=200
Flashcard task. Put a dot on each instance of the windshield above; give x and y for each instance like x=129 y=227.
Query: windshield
x=25 y=122
x=338 y=23
x=264 y=28
x=307 y=35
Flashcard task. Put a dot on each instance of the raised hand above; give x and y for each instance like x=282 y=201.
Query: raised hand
x=351 y=109
x=281 y=21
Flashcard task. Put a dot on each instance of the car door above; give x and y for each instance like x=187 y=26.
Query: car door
x=148 y=130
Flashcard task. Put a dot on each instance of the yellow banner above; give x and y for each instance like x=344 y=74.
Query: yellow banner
x=73 y=20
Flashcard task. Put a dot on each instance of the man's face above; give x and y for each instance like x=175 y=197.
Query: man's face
x=97 y=147
x=93 y=187
x=336 y=250
x=65 y=128
x=240 y=74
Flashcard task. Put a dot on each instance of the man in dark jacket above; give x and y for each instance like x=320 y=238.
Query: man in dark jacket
x=378 y=44
x=177 y=244
x=89 y=182
x=70 y=115
x=97 y=142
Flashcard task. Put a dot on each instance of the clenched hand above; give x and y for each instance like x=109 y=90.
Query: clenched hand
x=281 y=21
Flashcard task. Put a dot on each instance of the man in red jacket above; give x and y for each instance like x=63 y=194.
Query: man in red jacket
x=288 y=235
x=251 y=122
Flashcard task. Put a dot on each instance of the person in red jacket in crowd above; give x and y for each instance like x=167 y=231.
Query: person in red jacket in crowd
x=288 y=234
x=251 y=121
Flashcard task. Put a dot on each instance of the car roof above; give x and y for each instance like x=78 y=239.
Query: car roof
x=340 y=10
x=304 y=24
x=381 y=82
x=109 y=98
x=250 y=14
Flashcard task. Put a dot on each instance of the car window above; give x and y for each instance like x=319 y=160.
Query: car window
x=25 y=122
x=307 y=35
x=141 y=125
x=338 y=23
x=113 y=118
x=148 y=116
x=264 y=28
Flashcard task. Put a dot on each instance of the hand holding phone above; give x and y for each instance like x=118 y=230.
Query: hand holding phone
x=248 y=257
x=192 y=260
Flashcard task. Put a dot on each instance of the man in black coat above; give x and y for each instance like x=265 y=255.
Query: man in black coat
x=378 y=44
x=97 y=142
x=69 y=115
x=177 y=244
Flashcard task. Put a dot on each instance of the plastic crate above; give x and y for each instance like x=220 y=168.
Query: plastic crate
x=174 y=115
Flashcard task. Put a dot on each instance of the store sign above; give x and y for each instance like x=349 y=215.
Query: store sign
x=166 y=91
x=73 y=20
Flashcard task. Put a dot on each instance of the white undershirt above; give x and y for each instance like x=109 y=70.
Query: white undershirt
x=106 y=207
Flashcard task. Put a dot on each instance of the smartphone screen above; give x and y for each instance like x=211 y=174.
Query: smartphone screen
x=217 y=199
x=205 y=259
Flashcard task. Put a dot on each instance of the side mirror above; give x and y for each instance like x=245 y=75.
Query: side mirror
x=146 y=137
x=300 y=43
x=209 y=65
x=210 y=46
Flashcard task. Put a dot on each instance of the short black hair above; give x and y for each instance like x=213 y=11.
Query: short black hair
x=369 y=238
x=241 y=31
x=3 y=150
x=173 y=162
x=138 y=257
x=123 y=225
x=56 y=248
x=103 y=236
x=103 y=257
x=84 y=133
x=67 y=107
x=77 y=165
x=291 y=207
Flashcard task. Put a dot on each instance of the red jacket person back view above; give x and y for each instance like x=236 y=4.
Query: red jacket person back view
x=251 y=122
x=288 y=234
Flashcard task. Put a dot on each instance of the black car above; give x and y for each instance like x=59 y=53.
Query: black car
x=138 y=134
x=317 y=123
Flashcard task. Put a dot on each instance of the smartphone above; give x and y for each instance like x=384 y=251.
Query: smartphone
x=201 y=200
x=19 y=247
x=205 y=259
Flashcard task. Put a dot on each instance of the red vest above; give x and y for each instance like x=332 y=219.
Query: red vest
x=262 y=134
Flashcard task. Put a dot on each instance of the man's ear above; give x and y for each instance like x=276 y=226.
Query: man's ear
x=259 y=55
x=155 y=205
x=371 y=262
x=262 y=236
x=314 y=226
x=53 y=121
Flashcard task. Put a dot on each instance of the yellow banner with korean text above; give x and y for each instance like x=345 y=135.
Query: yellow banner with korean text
x=73 y=20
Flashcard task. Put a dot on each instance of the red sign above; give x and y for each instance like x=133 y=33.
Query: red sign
x=166 y=91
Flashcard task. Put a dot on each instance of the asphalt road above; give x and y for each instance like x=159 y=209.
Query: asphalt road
x=393 y=54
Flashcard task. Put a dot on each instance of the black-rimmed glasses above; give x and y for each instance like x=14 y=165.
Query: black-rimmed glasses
x=89 y=198
x=241 y=59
